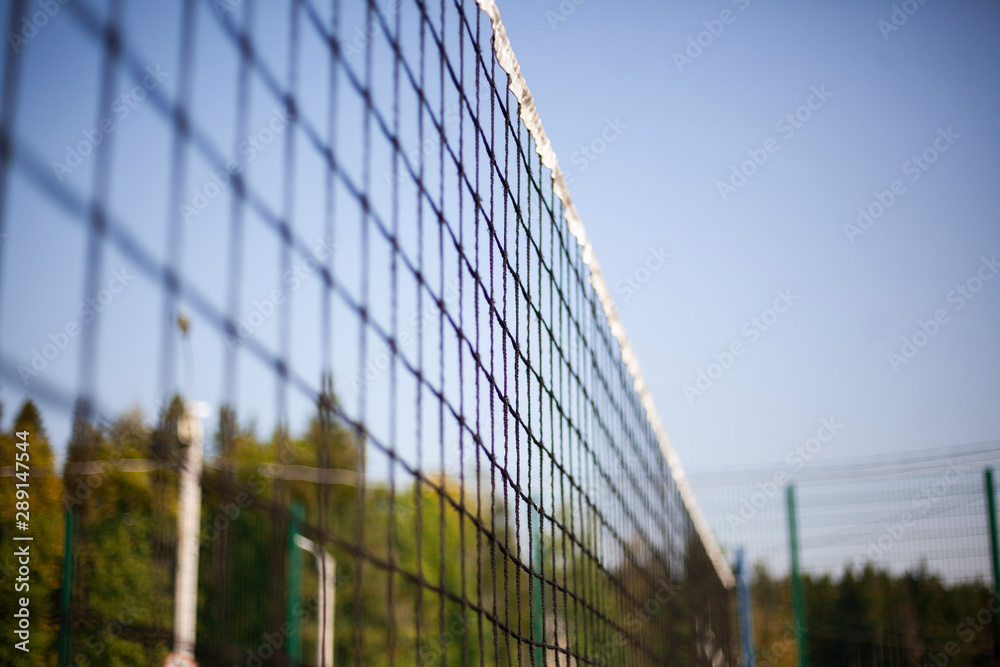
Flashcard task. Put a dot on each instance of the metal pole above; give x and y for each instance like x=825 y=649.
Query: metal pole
x=293 y=610
x=538 y=629
x=64 y=595
x=326 y=567
x=746 y=611
x=328 y=572
x=798 y=600
x=188 y=532
x=992 y=509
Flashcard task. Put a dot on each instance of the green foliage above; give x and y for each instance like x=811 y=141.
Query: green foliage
x=46 y=548
x=423 y=569
x=871 y=617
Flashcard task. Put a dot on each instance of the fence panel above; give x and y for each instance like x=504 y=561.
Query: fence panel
x=894 y=554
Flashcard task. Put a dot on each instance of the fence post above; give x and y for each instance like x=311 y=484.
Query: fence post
x=991 y=508
x=294 y=592
x=538 y=612
x=64 y=595
x=190 y=432
x=746 y=611
x=798 y=600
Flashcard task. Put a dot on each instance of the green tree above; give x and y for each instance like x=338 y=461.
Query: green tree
x=46 y=546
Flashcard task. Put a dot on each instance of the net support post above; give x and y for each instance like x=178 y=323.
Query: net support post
x=994 y=547
x=746 y=611
x=798 y=599
x=326 y=573
x=293 y=594
x=65 y=623
x=537 y=608
x=190 y=434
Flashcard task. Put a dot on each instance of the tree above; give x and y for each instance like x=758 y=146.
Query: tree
x=46 y=547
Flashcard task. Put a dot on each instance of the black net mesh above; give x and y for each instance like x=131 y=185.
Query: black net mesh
x=328 y=222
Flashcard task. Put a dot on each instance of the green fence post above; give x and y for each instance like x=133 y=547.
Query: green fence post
x=538 y=630
x=64 y=594
x=294 y=592
x=798 y=600
x=992 y=509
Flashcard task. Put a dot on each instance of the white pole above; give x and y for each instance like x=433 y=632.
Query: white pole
x=330 y=567
x=188 y=529
x=326 y=565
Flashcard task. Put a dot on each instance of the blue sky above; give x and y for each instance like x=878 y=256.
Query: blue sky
x=647 y=137
x=687 y=126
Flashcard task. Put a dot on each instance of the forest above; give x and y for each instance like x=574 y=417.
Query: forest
x=427 y=572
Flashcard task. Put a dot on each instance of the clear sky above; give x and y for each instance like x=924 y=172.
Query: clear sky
x=690 y=118
x=739 y=138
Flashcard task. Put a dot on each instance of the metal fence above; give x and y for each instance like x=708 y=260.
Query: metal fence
x=895 y=555
x=341 y=225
